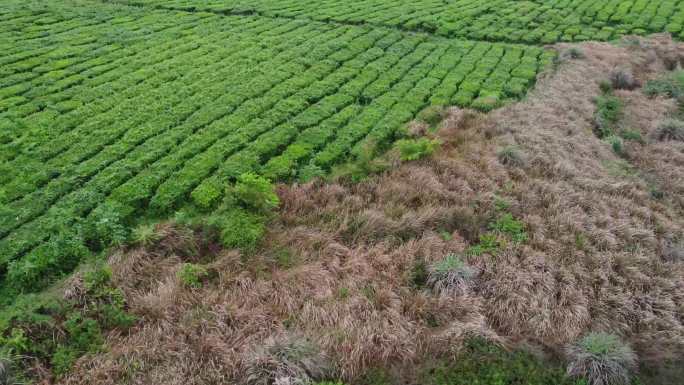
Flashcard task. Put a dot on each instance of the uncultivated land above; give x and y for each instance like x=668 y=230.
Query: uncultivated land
x=602 y=251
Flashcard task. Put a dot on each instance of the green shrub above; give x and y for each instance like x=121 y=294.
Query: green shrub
x=608 y=113
x=310 y=172
x=239 y=228
x=191 y=275
x=414 y=149
x=671 y=85
x=488 y=243
x=106 y=227
x=145 y=235
x=511 y=227
x=255 y=192
x=601 y=359
x=207 y=195
x=482 y=362
x=63 y=359
x=616 y=144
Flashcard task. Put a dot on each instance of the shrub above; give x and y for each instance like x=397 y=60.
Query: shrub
x=622 y=79
x=606 y=87
x=602 y=359
x=488 y=243
x=310 y=172
x=608 y=113
x=289 y=360
x=146 y=235
x=573 y=53
x=62 y=360
x=511 y=227
x=616 y=144
x=671 y=129
x=671 y=86
x=256 y=193
x=511 y=156
x=482 y=362
x=191 y=275
x=206 y=195
x=450 y=275
x=105 y=227
x=432 y=115
x=238 y=228
x=414 y=149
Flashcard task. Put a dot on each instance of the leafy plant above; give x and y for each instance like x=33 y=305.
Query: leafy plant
x=255 y=192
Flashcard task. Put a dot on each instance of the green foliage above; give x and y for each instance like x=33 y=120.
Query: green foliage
x=608 y=113
x=671 y=85
x=145 y=234
x=488 y=243
x=192 y=275
x=482 y=362
x=616 y=144
x=414 y=149
x=632 y=135
x=255 y=193
x=511 y=227
x=238 y=228
x=432 y=115
x=310 y=172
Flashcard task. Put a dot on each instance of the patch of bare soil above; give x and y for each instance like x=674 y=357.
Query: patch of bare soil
x=342 y=264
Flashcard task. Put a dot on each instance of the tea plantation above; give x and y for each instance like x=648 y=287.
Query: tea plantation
x=112 y=111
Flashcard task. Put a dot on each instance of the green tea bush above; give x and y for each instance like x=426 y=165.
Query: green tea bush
x=255 y=193
x=238 y=228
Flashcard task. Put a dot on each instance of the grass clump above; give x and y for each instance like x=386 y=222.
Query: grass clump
x=289 y=360
x=414 y=149
x=192 y=275
x=449 y=276
x=601 y=359
x=511 y=156
x=622 y=79
x=255 y=192
x=670 y=129
x=671 y=86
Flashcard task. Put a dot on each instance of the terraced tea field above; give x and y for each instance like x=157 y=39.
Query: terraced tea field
x=540 y=21
x=113 y=111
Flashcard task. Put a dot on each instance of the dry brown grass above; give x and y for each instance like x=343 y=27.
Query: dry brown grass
x=602 y=253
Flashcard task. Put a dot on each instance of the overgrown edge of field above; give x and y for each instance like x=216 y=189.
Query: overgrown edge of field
x=563 y=234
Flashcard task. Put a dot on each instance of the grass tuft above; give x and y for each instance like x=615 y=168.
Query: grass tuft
x=601 y=359
x=450 y=276
x=671 y=129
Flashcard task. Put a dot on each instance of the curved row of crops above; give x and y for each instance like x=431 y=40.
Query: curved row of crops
x=530 y=22
x=109 y=113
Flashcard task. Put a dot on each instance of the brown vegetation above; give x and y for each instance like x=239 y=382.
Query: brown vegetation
x=341 y=261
